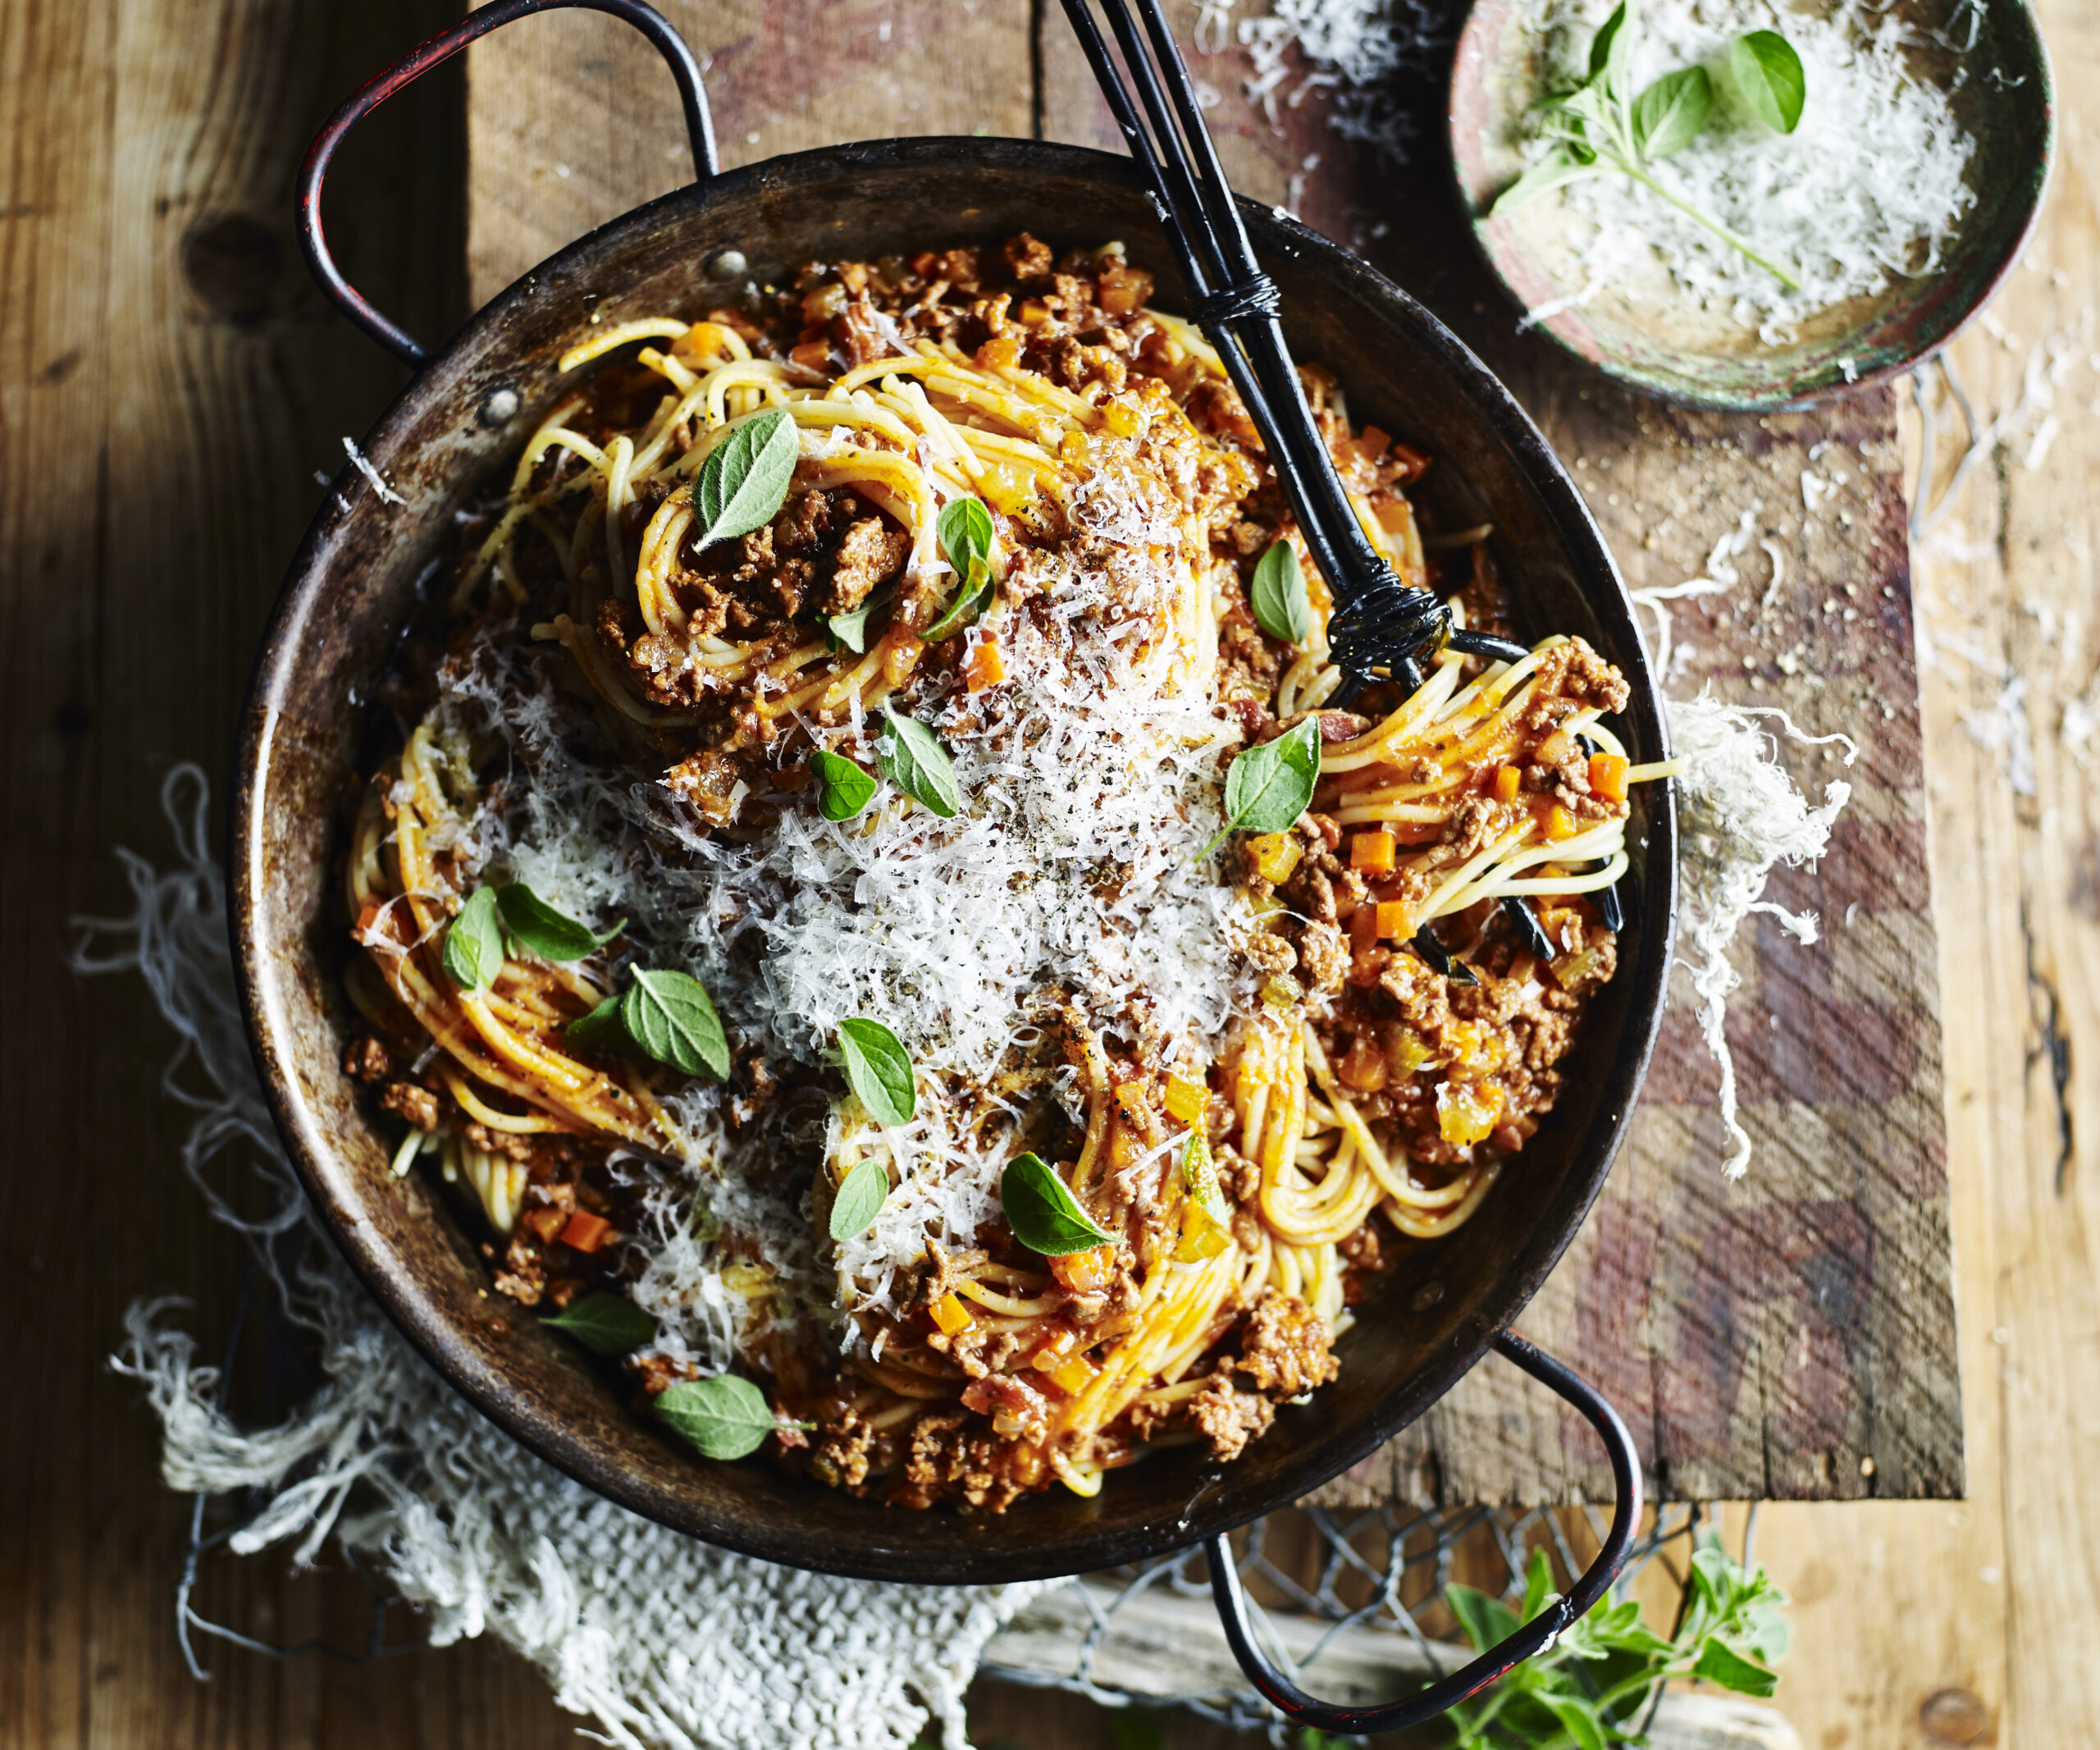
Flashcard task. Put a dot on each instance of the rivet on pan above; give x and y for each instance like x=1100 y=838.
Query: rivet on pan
x=1427 y=1296
x=499 y=408
x=727 y=264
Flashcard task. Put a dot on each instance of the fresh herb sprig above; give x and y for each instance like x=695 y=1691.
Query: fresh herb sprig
x=1044 y=1213
x=665 y=1015
x=1270 y=785
x=606 y=1324
x=1592 y=1688
x=1282 y=604
x=964 y=530
x=725 y=1417
x=475 y=943
x=1604 y=125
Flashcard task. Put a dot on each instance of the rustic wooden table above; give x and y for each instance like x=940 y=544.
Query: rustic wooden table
x=169 y=386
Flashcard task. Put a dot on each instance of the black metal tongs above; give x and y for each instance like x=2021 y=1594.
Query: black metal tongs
x=1381 y=628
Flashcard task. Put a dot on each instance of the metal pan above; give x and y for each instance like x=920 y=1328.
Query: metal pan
x=348 y=594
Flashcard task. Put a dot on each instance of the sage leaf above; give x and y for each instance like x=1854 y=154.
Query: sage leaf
x=601 y=1030
x=1768 y=73
x=1719 y=1663
x=1669 y=114
x=851 y=629
x=859 y=1200
x=473 y=942
x=607 y=1324
x=745 y=479
x=918 y=764
x=964 y=530
x=668 y=1016
x=879 y=1069
x=1559 y=167
x=1199 y=1180
x=1040 y=1208
x=843 y=789
x=1281 y=601
x=726 y=1417
x=551 y=935
x=968 y=603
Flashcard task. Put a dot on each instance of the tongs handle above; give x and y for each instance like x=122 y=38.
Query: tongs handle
x=692 y=96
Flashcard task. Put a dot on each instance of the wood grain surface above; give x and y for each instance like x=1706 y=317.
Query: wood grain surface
x=167 y=387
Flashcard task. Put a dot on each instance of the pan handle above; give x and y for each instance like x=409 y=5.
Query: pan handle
x=441 y=48
x=1534 y=1637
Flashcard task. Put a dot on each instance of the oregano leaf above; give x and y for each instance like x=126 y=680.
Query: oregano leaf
x=851 y=629
x=601 y=1030
x=473 y=942
x=1769 y=75
x=1042 y=1210
x=670 y=1016
x=745 y=479
x=726 y=1417
x=1281 y=603
x=969 y=601
x=879 y=1069
x=918 y=764
x=859 y=1200
x=551 y=935
x=607 y=1324
x=964 y=530
x=843 y=788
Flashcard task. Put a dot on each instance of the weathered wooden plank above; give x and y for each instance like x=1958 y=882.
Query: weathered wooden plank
x=1793 y=1335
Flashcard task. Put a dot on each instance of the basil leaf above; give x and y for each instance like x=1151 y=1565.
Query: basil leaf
x=969 y=603
x=879 y=1069
x=1720 y=1664
x=851 y=629
x=473 y=943
x=668 y=1016
x=843 y=789
x=606 y=1324
x=551 y=935
x=859 y=1200
x=1199 y=1180
x=1040 y=1208
x=1768 y=73
x=918 y=764
x=964 y=530
x=601 y=1030
x=1668 y=115
x=1279 y=598
x=726 y=1417
x=745 y=479
x=1611 y=53
x=1562 y=165
x=1270 y=786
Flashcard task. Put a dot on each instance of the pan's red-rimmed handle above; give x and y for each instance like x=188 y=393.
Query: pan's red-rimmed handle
x=441 y=48
x=1534 y=1637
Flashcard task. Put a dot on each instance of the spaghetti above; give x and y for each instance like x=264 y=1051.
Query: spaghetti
x=1255 y=1074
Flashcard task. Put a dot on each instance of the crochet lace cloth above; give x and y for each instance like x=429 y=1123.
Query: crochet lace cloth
x=663 y=1640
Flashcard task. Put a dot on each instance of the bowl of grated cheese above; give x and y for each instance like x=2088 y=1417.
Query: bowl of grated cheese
x=1864 y=236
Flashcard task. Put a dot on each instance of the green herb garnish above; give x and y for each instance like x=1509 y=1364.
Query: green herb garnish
x=843 y=789
x=1270 y=786
x=964 y=530
x=1199 y=1180
x=1282 y=606
x=968 y=604
x=879 y=1069
x=606 y=1324
x=915 y=762
x=744 y=481
x=473 y=943
x=1603 y=125
x=851 y=629
x=551 y=935
x=726 y=1417
x=859 y=1200
x=1591 y=1686
x=668 y=1016
x=1040 y=1208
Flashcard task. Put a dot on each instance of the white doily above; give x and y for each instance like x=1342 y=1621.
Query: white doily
x=665 y=1641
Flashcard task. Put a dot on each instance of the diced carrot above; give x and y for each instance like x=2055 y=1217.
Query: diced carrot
x=1373 y=444
x=1507 y=778
x=546 y=1222
x=1123 y=289
x=1185 y=1099
x=986 y=667
x=1608 y=776
x=1395 y=920
x=1363 y=1067
x=1276 y=856
x=812 y=355
x=1467 y=1112
x=1069 y=1376
x=1559 y=823
x=1085 y=1273
x=1001 y=352
x=950 y=1314
x=1061 y=1345
x=1363 y=929
x=1371 y=850
x=586 y=1232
